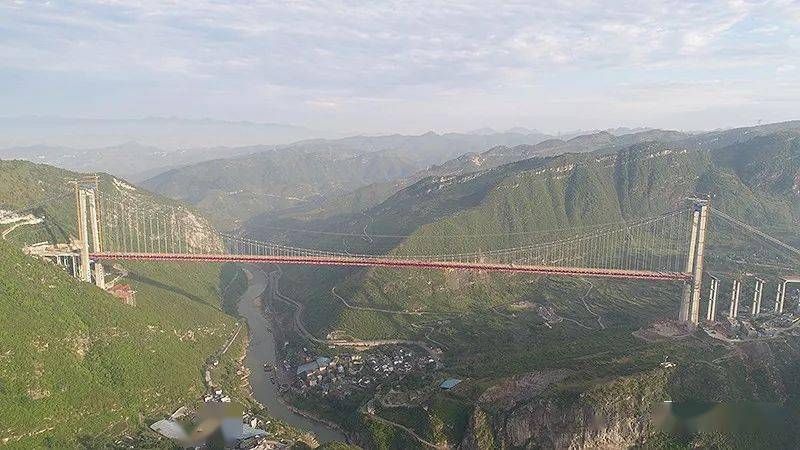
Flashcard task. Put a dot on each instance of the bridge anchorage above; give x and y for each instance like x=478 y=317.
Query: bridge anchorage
x=667 y=247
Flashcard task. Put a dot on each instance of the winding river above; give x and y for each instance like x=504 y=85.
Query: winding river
x=260 y=350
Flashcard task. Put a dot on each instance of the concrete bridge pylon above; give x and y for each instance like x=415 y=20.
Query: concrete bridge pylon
x=87 y=203
x=690 y=303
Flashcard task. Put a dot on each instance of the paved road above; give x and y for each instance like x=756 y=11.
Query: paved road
x=410 y=432
x=387 y=311
x=371 y=221
x=274 y=278
x=29 y=220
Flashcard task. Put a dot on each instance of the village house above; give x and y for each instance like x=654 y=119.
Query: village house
x=124 y=292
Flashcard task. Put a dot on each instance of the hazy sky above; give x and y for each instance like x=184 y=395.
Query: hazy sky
x=406 y=66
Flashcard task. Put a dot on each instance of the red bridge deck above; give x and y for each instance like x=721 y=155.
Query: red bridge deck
x=400 y=263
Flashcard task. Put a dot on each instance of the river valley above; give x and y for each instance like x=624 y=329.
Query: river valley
x=261 y=350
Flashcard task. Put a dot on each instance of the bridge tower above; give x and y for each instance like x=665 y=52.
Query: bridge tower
x=690 y=303
x=87 y=200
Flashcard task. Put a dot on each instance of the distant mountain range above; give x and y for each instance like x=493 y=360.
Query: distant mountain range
x=132 y=160
x=336 y=175
x=142 y=148
x=271 y=178
x=166 y=133
x=504 y=154
x=235 y=189
x=425 y=149
x=754 y=170
x=235 y=183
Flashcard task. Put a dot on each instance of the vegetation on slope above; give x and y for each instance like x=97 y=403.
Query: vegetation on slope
x=47 y=193
x=77 y=362
x=233 y=283
x=755 y=179
x=232 y=190
x=516 y=204
x=567 y=192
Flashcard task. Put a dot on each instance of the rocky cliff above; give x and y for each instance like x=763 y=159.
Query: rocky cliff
x=540 y=410
x=560 y=409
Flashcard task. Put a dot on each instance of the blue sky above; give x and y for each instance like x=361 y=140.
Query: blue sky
x=410 y=66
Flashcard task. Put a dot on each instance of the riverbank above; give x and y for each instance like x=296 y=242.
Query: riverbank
x=261 y=350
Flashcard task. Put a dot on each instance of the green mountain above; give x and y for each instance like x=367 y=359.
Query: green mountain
x=370 y=195
x=497 y=156
x=304 y=175
x=323 y=177
x=231 y=190
x=756 y=180
x=493 y=326
x=47 y=193
x=77 y=366
x=77 y=363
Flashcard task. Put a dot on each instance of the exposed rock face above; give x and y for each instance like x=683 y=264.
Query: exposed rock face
x=550 y=410
x=530 y=412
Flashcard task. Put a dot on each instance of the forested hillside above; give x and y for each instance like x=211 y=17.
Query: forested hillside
x=47 y=193
x=231 y=190
x=303 y=174
x=497 y=156
x=324 y=177
x=76 y=364
x=756 y=180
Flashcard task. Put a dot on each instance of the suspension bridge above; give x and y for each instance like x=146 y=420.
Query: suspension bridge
x=667 y=247
x=635 y=251
x=647 y=249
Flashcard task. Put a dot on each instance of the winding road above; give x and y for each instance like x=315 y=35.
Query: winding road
x=409 y=431
x=386 y=311
x=273 y=290
x=586 y=305
x=31 y=220
x=367 y=237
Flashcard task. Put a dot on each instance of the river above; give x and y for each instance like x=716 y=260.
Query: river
x=260 y=350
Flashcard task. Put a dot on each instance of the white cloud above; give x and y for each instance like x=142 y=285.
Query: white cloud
x=321 y=104
x=330 y=54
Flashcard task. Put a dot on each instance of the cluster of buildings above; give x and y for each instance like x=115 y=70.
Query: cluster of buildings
x=340 y=375
x=210 y=432
x=217 y=421
x=216 y=396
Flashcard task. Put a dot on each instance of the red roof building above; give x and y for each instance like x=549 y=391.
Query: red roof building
x=124 y=292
